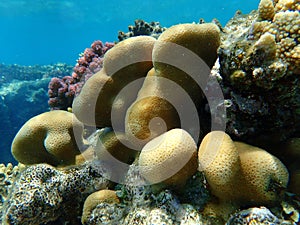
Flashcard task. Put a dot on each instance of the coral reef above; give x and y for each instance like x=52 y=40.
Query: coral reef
x=141 y=27
x=44 y=194
x=260 y=65
x=61 y=91
x=53 y=137
x=12 y=72
x=130 y=108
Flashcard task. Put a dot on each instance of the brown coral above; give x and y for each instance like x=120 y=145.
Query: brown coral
x=53 y=137
x=160 y=99
x=266 y=10
x=124 y=63
x=240 y=172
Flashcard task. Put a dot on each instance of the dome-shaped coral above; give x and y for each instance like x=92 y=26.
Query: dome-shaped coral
x=53 y=137
x=170 y=158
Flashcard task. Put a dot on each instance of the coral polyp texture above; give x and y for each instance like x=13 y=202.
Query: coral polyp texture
x=53 y=137
x=61 y=91
x=95 y=199
x=256 y=176
x=170 y=158
x=142 y=27
x=260 y=66
x=161 y=95
x=44 y=194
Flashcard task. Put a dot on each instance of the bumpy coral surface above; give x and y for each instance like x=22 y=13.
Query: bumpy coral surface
x=43 y=194
x=166 y=87
x=8 y=175
x=254 y=215
x=241 y=173
x=260 y=67
x=62 y=91
x=142 y=27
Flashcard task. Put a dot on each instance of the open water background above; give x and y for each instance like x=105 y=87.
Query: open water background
x=51 y=31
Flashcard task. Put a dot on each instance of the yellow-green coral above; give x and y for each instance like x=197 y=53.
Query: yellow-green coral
x=239 y=172
x=53 y=137
x=266 y=10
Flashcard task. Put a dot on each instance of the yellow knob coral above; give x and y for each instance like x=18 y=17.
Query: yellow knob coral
x=263 y=174
x=182 y=58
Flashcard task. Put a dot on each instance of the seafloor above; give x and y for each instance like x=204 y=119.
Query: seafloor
x=191 y=124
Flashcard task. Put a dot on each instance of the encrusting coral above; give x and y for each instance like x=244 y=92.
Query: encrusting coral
x=254 y=216
x=44 y=194
x=259 y=66
x=53 y=137
x=170 y=158
x=95 y=199
x=8 y=175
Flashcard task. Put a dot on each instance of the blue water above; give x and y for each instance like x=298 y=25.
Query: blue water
x=46 y=32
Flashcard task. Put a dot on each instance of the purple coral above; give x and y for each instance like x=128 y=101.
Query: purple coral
x=61 y=91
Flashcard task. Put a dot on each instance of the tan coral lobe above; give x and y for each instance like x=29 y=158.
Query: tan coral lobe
x=170 y=158
x=53 y=137
x=179 y=50
x=126 y=62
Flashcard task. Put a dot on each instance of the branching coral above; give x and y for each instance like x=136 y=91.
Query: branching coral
x=61 y=91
